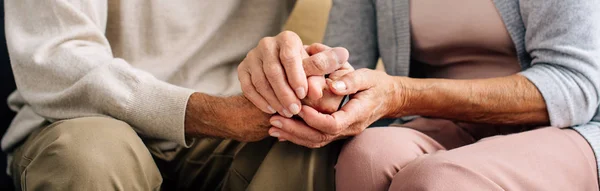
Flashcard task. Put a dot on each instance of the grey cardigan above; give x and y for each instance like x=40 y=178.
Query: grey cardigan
x=557 y=42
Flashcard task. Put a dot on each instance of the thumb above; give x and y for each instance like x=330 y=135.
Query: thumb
x=352 y=82
x=325 y=62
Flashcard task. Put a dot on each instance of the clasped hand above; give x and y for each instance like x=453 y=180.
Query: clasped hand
x=283 y=76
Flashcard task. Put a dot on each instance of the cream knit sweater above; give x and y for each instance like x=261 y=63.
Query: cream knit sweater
x=133 y=60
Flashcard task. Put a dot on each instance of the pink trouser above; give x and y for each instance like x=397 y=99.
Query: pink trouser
x=396 y=158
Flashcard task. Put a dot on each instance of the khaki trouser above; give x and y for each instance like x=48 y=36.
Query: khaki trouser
x=96 y=153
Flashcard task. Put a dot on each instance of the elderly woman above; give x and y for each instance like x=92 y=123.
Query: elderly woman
x=489 y=95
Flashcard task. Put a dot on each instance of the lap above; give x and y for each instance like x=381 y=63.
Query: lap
x=209 y=164
x=225 y=164
x=541 y=159
x=67 y=154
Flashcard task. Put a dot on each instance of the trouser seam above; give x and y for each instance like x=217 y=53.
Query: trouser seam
x=240 y=175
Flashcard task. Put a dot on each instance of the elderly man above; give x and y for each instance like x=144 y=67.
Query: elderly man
x=126 y=95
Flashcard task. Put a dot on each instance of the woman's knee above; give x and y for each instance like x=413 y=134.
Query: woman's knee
x=393 y=143
x=383 y=151
x=440 y=172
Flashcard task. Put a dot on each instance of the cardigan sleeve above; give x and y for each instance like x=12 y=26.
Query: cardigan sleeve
x=352 y=25
x=563 y=39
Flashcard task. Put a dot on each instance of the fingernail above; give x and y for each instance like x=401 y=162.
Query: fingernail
x=287 y=113
x=275 y=134
x=282 y=140
x=271 y=110
x=341 y=53
x=301 y=93
x=339 y=85
x=294 y=108
x=277 y=124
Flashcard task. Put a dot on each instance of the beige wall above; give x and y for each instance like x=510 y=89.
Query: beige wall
x=309 y=19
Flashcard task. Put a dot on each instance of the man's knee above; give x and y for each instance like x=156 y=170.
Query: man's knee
x=95 y=141
x=93 y=149
x=93 y=135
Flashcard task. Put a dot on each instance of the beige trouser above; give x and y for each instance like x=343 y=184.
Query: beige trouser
x=397 y=158
x=98 y=153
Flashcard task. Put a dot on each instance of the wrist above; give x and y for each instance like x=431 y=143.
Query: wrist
x=401 y=97
x=197 y=114
x=224 y=117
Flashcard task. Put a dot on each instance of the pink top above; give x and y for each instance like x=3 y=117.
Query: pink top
x=461 y=40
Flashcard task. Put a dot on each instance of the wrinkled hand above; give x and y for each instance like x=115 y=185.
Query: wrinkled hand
x=273 y=75
x=320 y=97
x=374 y=97
x=211 y=116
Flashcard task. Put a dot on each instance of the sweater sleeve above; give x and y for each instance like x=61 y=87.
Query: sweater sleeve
x=563 y=39
x=352 y=25
x=64 y=68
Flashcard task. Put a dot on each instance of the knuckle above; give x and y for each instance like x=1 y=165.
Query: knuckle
x=246 y=89
x=266 y=41
x=263 y=87
x=287 y=56
x=250 y=53
x=266 y=44
x=288 y=34
x=241 y=67
x=318 y=62
x=322 y=138
x=273 y=72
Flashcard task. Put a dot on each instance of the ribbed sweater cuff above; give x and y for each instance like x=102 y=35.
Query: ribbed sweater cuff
x=157 y=109
x=559 y=109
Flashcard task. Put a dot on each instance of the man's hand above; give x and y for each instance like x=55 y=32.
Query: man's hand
x=273 y=75
x=374 y=99
x=227 y=117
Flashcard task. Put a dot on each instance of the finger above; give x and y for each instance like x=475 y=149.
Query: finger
x=251 y=94
x=294 y=139
x=298 y=132
x=275 y=75
x=316 y=48
x=290 y=55
x=355 y=81
x=262 y=86
x=325 y=62
x=345 y=69
x=316 y=85
x=325 y=123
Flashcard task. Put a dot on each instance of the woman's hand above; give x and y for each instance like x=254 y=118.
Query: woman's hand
x=273 y=75
x=320 y=97
x=374 y=97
